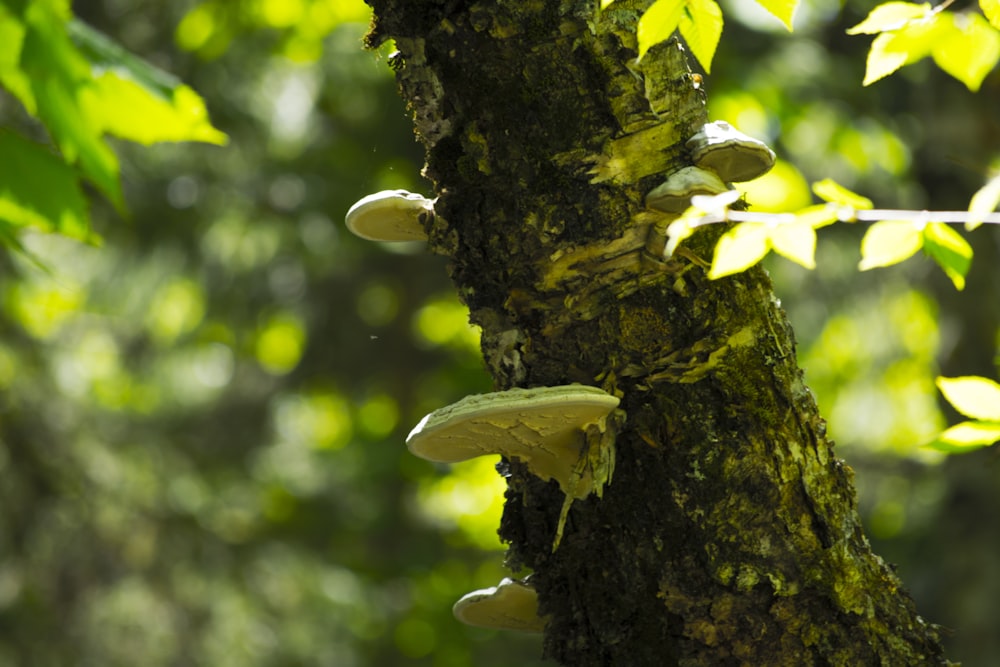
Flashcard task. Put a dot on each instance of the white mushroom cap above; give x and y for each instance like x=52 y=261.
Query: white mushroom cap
x=389 y=215
x=734 y=156
x=674 y=194
x=511 y=605
x=543 y=427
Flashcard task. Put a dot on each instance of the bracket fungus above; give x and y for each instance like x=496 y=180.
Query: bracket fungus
x=389 y=215
x=734 y=156
x=547 y=428
x=511 y=605
x=674 y=194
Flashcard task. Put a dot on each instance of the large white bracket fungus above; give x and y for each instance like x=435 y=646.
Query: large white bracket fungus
x=734 y=156
x=511 y=605
x=545 y=427
x=389 y=215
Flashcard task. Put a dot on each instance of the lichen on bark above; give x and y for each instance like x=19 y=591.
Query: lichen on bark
x=729 y=534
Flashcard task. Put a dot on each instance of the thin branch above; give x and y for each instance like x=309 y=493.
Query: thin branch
x=854 y=215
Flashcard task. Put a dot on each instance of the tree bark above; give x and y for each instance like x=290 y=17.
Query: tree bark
x=729 y=533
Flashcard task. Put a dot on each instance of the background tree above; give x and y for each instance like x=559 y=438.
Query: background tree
x=203 y=419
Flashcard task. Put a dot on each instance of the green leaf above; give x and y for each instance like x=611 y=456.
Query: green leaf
x=658 y=23
x=967 y=436
x=819 y=215
x=740 y=248
x=890 y=242
x=39 y=190
x=701 y=27
x=126 y=109
x=973 y=396
x=967 y=49
x=795 y=241
x=833 y=192
x=783 y=10
x=135 y=100
x=986 y=200
x=890 y=16
x=992 y=10
x=891 y=50
x=59 y=77
x=952 y=252
x=12 y=77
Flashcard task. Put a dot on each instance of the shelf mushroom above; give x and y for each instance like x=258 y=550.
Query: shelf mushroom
x=674 y=194
x=734 y=156
x=389 y=215
x=545 y=427
x=511 y=605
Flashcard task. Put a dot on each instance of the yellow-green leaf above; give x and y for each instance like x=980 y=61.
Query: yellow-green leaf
x=835 y=193
x=680 y=229
x=701 y=27
x=783 y=10
x=967 y=47
x=605 y=3
x=973 y=396
x=892 y=50
x=740 y=248
x=967 y=436
x=986 y=200
x=992 y=10
x=126 y=109
x=889 y=16
x=658 y=23
x=952 y=252
x=39 y=190
x=819 y=215
x=890 y=242
x=795 y=241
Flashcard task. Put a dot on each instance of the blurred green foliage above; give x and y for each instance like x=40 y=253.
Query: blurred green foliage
x=202 y=426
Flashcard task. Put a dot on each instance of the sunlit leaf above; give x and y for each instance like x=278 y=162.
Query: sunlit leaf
x=12 y=77
x=135 y=100
x=39 y=190
x=127 y=110
x=992 y=10
x=606 y=3
x=701 y=27
x=795 y=241
x=678 y=231
x=952 y=252
x=973 y=396
x=967 y=436
x=658 y=23
x=890 y=242
x=986 y=200
x=817 y=216
x=833 y=192
x=740 y=248
x=59 y=76
x=889 y=16
x=968 y=49
x=783 y=10
x=891 y=50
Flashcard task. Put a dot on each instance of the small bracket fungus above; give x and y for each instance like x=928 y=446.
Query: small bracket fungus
x=545 y=427
x=389 y=215
x=674 y=194
x=511 y=605
x=734 y=156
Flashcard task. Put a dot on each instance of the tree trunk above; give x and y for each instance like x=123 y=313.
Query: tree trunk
x=729 y=533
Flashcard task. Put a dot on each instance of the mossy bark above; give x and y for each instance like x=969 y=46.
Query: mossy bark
x=729 y=533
